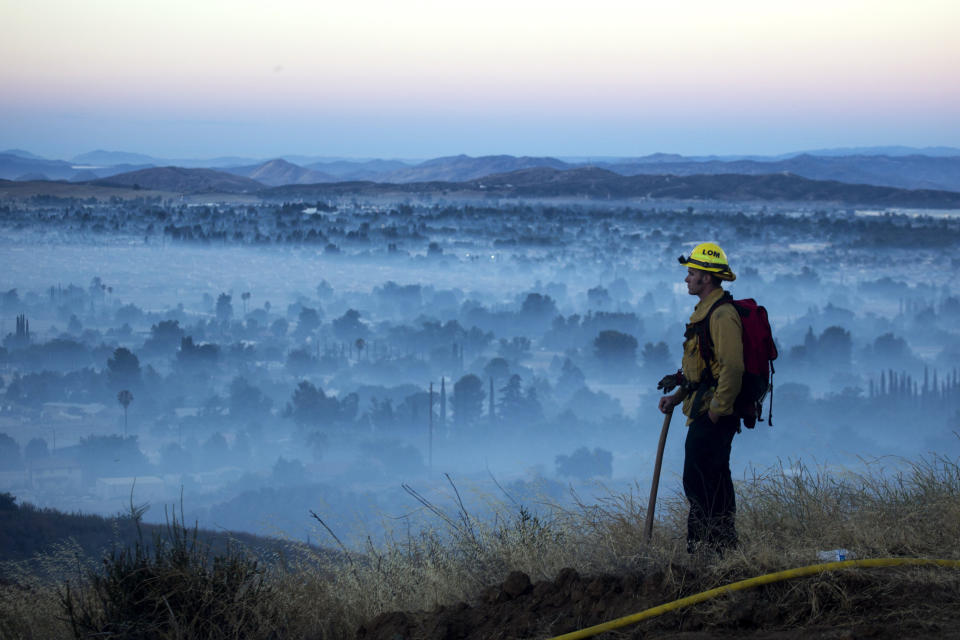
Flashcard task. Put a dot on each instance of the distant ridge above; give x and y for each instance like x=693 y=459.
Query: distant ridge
x=892 y=150
x=180 y=180
x=356 y=170
x=21 y=167
x=20 y=153
x=106 y=158
x=279 y=172
x=597 y=183
x=461 y=168
x=905 y=172
x=16 y=167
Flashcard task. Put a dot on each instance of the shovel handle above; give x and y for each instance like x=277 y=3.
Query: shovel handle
x=651 y=505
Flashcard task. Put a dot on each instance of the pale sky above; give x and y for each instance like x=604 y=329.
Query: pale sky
x=412 y=79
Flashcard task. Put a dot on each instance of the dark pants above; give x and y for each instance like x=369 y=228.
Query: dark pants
x=707 y=484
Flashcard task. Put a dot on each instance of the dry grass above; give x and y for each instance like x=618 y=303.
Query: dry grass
x=785 y=515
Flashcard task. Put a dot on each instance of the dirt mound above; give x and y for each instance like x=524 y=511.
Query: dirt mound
x=518 y=608
x=851 y=605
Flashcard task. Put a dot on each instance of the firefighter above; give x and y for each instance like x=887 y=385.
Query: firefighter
x=708 y=395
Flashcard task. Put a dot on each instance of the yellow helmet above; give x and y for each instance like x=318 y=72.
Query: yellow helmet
x=708 y=256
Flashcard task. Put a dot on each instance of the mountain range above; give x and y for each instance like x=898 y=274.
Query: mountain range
x=933 y=168
x=896 y=179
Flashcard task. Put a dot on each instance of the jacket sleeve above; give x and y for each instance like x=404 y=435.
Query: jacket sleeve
x=726 y=330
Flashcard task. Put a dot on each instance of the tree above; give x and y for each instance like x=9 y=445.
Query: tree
x=194 y=357
x=164 y=337
x=598 y=297
x=519 y=407
x=511 y=397
x=125 y=398
x=310 y=406
x=468 y=398
x=835 y=344
x=615 y=349
x=307 y=322
x=348 y=327
x=8 y=502
x=288 y=472
x=585 y=464
x=571 y=378
x=301 y=362
x=279 y=327
x=497 y=368
x=381 y=413
x=517 y=348
x=324 y=290
x=542 y=306
x=9 y=454
x=247 y=400
x=891 y=348
x=656 y=355
x=537 y=312
x=123 y=369
x=224 y=309
x=129 y=314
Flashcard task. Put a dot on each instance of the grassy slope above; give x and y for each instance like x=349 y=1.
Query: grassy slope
x=27 y=532
x=785 y=516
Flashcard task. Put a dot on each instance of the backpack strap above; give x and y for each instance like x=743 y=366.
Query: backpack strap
x=701 y=330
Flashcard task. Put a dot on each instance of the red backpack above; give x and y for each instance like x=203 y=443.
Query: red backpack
x=759 y=352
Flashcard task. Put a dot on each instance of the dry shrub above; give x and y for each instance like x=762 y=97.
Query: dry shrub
x=174 y=588
x=29 y=603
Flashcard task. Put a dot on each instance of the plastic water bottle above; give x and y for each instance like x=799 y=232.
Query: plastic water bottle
x=836 y=555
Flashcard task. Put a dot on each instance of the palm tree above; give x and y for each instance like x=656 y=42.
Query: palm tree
x=125 y=398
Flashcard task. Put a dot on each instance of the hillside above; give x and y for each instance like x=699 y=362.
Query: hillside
x=18 y=167
x=463 y=168
x=279 y=172
x=905 y=172
x=913 y=171
x=529 y=575
x=26 y=531
x=29 y=189
x=358 y=170
x=595 y=183
x=101 y=157
x=180 y=180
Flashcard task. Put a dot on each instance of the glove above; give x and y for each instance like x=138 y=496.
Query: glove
x=670 y=381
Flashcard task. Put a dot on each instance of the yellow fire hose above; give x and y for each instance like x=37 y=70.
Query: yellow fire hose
x=800 y=572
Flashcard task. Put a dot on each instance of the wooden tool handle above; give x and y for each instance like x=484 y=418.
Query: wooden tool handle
x=648 y=526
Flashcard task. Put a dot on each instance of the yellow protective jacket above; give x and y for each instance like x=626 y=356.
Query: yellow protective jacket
x=726 y=330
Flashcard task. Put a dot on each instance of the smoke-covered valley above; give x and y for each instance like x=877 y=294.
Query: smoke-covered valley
x=359 y=358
